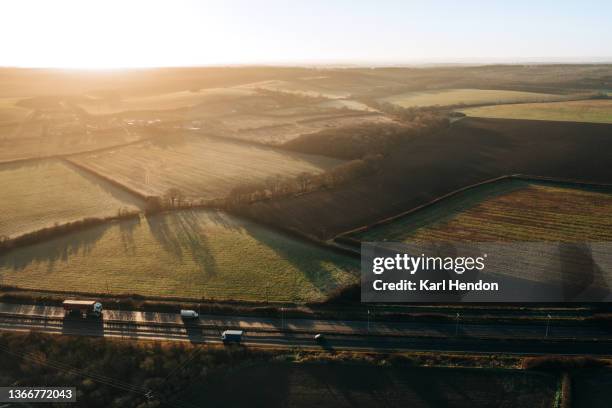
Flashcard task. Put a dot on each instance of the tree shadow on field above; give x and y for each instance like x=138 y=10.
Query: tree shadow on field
x=183 y=233
x=126 y=231
x=581 y=278
x=62 y=248
x=304 y=256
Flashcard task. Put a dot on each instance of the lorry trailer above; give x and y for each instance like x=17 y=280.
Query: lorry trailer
x=84 y=308
x=231 y=336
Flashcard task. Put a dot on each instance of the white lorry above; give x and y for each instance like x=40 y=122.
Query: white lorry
x=84 y=308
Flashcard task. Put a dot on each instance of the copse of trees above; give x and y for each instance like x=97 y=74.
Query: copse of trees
x=420 y=117
x=356 y=142
x=351 y=142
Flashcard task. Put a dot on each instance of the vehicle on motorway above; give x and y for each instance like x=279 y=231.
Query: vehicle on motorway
x=318 y=337
x=84 y=308
x=189 y=314
x=231 y=336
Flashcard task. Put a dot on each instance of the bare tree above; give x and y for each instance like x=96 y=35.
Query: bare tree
x=175 y=196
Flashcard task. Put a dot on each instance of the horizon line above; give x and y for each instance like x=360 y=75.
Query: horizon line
x=345 y=64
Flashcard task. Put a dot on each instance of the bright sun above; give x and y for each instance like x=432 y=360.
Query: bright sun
x=99 y=34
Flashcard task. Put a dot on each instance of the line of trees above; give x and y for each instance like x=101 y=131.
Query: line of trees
x=282 y=186
x=7 y=243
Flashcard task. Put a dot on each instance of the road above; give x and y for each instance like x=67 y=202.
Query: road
x=339 y=335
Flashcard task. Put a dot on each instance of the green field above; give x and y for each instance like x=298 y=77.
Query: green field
x=596 y=111
x=190 y=254
x=200 y=167
x=449 y=97
x=47 y=192
x=506 y=211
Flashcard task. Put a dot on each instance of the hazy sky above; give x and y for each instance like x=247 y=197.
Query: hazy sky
x=127 y=33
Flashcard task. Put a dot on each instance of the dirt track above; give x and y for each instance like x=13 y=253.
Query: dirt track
x=472 y=150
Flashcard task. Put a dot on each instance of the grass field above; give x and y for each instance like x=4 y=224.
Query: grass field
x=448 y=97
x=351 y=385
x=596 y=111
x=201 y=167
x=163 y=101
x=48 y=192
x=192 y=254
x=507 y=211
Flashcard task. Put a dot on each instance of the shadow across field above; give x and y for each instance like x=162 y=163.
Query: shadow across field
x=182 y=234
x=581 y=276
x=56 y=249
x=299 y=255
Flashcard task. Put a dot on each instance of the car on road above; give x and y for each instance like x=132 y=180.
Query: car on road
x=318 y=337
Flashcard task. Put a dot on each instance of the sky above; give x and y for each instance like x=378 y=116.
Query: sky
x=135 y=33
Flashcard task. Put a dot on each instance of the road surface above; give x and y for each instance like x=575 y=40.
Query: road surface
x=339 y=335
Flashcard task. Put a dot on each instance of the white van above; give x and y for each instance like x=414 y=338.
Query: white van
x=189 y=314
x=231 y=336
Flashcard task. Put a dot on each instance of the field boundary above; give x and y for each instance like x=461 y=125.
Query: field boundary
x=108 y=179
x=347 y=239
x=27 y=160
x=43 y=234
